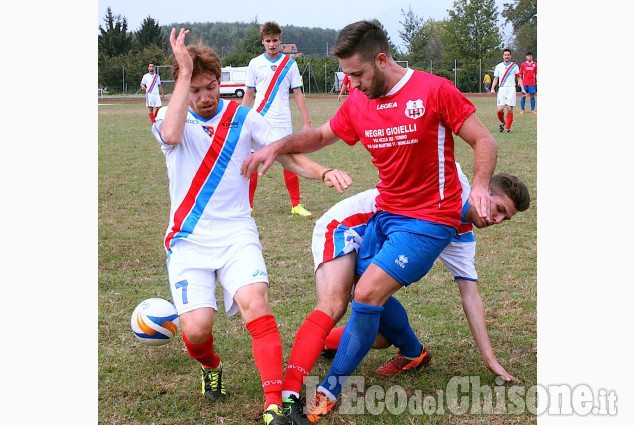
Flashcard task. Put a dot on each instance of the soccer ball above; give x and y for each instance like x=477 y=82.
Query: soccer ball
x=155 y=321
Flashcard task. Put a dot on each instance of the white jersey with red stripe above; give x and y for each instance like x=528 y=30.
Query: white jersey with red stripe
x=152 y=83
x=272 y=80
x=341 y=231
x=409 y=135
x=209 y=196
x=507 y=74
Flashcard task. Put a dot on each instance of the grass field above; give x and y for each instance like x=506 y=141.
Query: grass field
x=146 y=385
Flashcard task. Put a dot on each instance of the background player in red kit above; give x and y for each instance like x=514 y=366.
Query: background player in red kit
x=528 y=72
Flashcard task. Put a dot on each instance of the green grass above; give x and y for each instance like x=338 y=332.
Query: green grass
x=159 y=385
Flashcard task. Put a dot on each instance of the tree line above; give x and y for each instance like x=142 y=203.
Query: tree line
x=461 y=47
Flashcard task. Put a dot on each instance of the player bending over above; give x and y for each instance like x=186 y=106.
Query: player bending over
x=337 y=237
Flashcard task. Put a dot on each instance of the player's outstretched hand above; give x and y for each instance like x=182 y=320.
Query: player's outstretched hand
x=180 y=51
x=265 y=156
x=500 y=371
x=338 y=179
x=481 y=200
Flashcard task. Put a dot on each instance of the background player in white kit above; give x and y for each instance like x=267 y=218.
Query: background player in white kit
x=505 y=75
x=151 y=84
x=337 y=237
x=269 y=78
x=212 y=236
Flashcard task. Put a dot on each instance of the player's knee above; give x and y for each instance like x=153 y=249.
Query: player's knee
x=368 y=295
x=197 y=332
x=333 y=306
x=257 y=307
x=252 y=301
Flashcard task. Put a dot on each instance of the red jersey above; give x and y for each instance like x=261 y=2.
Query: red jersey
x=528 y=71
x=409 y=136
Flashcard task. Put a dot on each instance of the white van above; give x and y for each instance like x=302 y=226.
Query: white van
x=232 y=81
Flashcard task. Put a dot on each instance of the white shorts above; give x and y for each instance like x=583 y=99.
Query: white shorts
x=193 y=271
x=341 y=231
x=153 y=100
x=458 y=257
x=506 y=96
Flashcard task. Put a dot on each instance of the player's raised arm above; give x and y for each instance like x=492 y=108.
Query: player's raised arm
x=174 y=121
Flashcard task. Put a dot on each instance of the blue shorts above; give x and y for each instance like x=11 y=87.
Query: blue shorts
x=530 y=89
x=403 y=247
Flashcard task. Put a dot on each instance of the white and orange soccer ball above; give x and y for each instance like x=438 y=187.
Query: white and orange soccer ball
x=155 y=321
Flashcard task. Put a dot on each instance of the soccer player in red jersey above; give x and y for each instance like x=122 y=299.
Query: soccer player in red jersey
x=405 y=119
x=528 y=72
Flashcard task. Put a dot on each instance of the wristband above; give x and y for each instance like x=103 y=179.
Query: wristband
x=324 y=173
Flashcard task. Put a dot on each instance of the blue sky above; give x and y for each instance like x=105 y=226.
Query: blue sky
x=334 y=14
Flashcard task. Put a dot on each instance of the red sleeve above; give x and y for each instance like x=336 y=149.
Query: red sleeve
x=341 y=124
x=454 y=107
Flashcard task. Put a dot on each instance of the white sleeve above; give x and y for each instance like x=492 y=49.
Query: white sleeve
x=295 y=77
x=157 y=123
x=465 y=184
x=261 y=131
x=250 y=81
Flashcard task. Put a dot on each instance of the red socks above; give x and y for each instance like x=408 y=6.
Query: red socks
x=267 y=350
x=308 y=344
x=151 y=115
x=293 y=186
x=203 y=353
x=291 y=180
x=253 y=183
x=332 y=341
x=510 y=118
x=501 y=116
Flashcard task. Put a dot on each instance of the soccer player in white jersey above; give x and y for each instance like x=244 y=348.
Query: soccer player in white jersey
x=506 y=74
x=406 y=120
x=212 y=236
x=151 y=84
x=337 y=236
x=270 y=76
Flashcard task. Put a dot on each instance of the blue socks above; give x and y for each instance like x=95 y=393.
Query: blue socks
x=531 y=99
x=394 y=325
x=357 y=339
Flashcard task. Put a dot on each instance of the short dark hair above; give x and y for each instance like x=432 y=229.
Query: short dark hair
x=204 y=59
x=366 y=38
x=513 y=187
x=529 y=53
x=507 y=50
x=270 y=28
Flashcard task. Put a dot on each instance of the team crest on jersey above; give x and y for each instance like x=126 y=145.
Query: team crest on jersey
x=274 y=67
x=209 y=130
x=415 y=109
